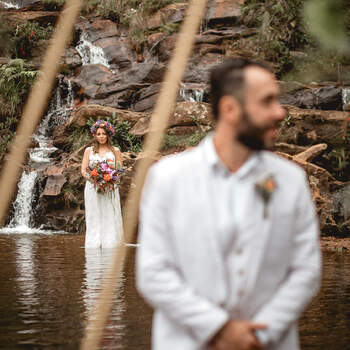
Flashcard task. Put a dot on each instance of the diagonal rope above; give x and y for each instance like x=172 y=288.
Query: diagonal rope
x=159 y=123
x=36 y=104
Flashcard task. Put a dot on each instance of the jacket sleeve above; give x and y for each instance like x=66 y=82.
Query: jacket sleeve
x=159 y=278
x=303 y=279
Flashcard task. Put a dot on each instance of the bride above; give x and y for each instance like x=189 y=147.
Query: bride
x=104 y=227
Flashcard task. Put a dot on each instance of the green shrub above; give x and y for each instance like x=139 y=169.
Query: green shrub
x=26 y=37
x=171 y=141
x=281 y=29
x=16 y=79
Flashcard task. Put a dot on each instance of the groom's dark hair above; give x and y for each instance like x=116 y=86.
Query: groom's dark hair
x=227 y=79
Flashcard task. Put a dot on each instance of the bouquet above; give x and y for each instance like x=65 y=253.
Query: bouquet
x=104 y=177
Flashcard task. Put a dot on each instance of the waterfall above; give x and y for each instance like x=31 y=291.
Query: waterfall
x=191 y=93
x=57 y=114
x=346 y=97
x=58 y=111
x=23 y=203
x=9 y=4
x=89 y=53
x=16 y=4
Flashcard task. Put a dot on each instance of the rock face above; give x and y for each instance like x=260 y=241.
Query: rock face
x=113 y=75
x=173 y=13
x=224 y=11
x=324 y=98
x=300 y=127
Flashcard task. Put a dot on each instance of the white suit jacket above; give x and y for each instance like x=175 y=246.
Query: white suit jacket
x=180 y=266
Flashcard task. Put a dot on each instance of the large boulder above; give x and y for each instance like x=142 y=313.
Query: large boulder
x=186 y=115
x=146 y=98
x=42 y=17
x=224 y=11
x=91 y=79
x=323 y=98
x=79 y=118
x=308 y=127
x=325 y=190
x=173 y=13
x=97 y=28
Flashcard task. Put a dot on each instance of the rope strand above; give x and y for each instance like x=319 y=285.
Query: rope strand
x=159 y=123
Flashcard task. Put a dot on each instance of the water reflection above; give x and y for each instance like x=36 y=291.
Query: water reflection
x=326 y=323
x=97 y=262
x=26 y=279
x=48 y=286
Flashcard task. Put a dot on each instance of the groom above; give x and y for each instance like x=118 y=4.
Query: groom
x=229 y=255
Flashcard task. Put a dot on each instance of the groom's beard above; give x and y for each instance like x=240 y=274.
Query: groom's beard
x=252 y=136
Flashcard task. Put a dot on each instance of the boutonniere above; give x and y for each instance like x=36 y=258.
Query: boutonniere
x=266 y=188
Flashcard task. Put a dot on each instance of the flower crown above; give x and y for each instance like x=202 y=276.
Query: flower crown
x=108 y=127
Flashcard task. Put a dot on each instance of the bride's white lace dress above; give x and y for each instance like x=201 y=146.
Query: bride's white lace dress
x=104 y=225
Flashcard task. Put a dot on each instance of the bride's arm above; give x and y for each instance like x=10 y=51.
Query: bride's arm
x=85 y=163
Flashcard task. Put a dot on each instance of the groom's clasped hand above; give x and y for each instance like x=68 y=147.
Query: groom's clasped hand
x=238 y=335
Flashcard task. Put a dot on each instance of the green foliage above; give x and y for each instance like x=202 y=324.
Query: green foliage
x=279 y=20
x=326 y=21
x=26 y=37
x=149 y=6
x=318 y=66
x=133 y=14
x=121 y=138
x=71 y=195
x=281 y=29
x=16 y=79
x=170 y=28
x=79 y=137
x=171 y=141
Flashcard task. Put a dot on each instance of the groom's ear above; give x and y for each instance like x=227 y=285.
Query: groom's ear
x=230 y=110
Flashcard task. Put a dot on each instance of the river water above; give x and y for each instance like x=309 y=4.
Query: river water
x=48 y=284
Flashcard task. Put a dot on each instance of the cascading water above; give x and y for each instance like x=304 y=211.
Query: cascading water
x=89 y=53
x=191 y=93
x=9 y=5
x=39 y=158
x=16 y=4
x=346 y=97
x=57 y=114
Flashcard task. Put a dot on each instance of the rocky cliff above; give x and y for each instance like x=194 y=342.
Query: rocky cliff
x=115 y=75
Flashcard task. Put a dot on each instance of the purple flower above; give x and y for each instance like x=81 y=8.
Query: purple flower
x=104 y=166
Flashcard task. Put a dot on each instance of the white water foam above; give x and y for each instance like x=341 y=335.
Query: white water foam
x=89 y=53
x=23 y=203
x=9 y=4
x=346 y=97
x=191 y=94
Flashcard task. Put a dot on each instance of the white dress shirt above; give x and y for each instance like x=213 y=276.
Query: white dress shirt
x=235 y=243
x=208 y=254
